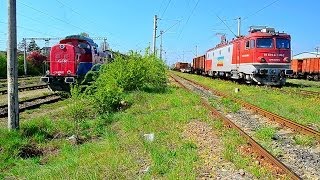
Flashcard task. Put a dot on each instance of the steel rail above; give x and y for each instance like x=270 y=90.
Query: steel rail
x=32 y=106
x=274 y=117
x=257 y=148
x=5 y=91
x=300 y=92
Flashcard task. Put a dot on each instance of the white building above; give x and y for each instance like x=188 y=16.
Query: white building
x=305 y=55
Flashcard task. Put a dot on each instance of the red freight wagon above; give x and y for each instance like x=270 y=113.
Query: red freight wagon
x=308 y=68
x=181 y=65
x=314 y=65
x=198 y=64
x=296 y=65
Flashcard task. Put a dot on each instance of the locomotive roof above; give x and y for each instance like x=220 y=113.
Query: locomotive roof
x=80 y=38
x=253 y=34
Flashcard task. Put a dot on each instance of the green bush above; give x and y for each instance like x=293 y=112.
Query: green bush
x=137 y=72
x=126 y=73
x=108 y=95
x=3 y=65
x=31 y=69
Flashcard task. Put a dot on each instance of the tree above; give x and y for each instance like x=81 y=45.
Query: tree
x=21 y=45
x=32 y=46
x=36 y=59
x=84 y=34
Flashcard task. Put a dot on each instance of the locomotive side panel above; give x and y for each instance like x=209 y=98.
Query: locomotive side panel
x=221 y=58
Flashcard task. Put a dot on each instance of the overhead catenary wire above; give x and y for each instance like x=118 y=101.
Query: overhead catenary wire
x=226 y=25
x=35 y=20
x=268 y=5
x=76 y=12
x=28 y=29
x=189 y=17
x=165 y=9
x=169 y=28
x=53 y=17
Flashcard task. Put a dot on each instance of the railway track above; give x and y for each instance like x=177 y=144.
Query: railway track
x=3 y=80
x=257 y=148
x=302 y=92
x=274 y=117
x=27 y=88
x=31 y=103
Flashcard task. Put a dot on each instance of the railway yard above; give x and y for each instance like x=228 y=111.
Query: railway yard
x=227 y=129
x=226 y=90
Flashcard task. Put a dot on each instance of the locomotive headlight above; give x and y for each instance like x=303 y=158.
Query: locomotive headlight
x=263 y=60
x=286 y=59
x=47 y=72
x=62 y=46
x=69 y=72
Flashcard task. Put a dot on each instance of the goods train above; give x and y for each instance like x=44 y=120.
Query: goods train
x=183 y=67
x=70 y=60
x=306 y=68
x=262 y=57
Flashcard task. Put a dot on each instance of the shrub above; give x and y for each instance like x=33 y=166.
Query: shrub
x=108 y=95
x=137 y=72
x=126 y=73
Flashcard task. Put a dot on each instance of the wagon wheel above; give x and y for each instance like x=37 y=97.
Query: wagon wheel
x=316 y=77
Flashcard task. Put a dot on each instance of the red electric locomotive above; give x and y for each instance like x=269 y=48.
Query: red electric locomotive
x=70 y=60
x=262 y=57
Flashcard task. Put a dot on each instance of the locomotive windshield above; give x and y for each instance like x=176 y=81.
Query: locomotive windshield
x=264 y=43
x=283 y=43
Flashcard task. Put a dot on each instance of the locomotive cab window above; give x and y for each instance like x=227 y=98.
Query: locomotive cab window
x=247 y=45
x=264 y=43
x=252 y=43
x=283 y=43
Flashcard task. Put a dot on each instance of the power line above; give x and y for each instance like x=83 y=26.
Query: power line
x=226 y=25
x=28 y=29
x=189 y=17
x=260 y=10
x=35 y=20
x=170 y=28
x=162 y=3
x=61 y=20
x=166 y=8
x=85 y=18
x=76 y=12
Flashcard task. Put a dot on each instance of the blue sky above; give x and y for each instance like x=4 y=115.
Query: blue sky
x=128 y=24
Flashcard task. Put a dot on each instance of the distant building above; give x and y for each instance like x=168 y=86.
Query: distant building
x=305 y=55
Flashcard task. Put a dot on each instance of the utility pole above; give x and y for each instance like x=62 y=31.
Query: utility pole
x=104 y=44
x=154 y=34
x=239 y=26
x=317 y=49
x=161 y=33
x=12 y=68
x=196 y=51
x=25 y=56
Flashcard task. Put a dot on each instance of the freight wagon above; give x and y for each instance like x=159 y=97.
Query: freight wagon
x=198 y=65
x=308 y=68
x=183 y=67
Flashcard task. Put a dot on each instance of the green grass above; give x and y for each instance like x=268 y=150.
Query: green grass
x=232 y=142
x=118 y=149
x=303 y=84
x=265 y=136
x=304 y=140
x=284 y=104
x=265 y=133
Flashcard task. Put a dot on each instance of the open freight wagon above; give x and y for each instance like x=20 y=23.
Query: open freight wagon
x=308 y=68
